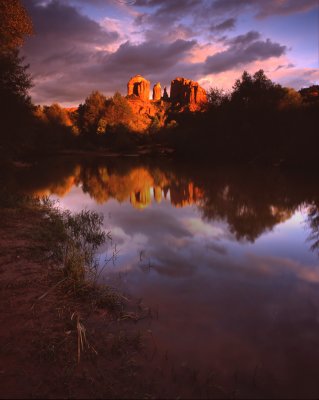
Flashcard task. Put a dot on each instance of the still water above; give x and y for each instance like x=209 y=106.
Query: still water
x=227 y=258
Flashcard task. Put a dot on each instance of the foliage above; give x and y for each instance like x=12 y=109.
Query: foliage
x=255 y=91
x=14 y=79
x=15 y=25
x=99 y=113
x=73 y=240
x=290 y=99
x=118 y=111
x=53 y=114
x=310 y=94
x=91 y=112
x=217 y=97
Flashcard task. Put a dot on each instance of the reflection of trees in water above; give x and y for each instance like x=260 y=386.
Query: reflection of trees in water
x=250 y=202
x=313 y=223
x=248 y=208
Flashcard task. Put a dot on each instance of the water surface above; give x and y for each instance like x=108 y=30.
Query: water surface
x=222 y=254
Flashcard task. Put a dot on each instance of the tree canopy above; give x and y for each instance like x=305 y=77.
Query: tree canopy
x=256 y=90
x=15 y=25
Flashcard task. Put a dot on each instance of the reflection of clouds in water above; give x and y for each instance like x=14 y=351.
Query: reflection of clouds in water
x=278 y=266
x=216 y=248
x=178 y=242
x=236 y=302
x=199 y=227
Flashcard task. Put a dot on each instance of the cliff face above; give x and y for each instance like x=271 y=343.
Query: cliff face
x=185 y=95
x=157 y=92
x=139 y=87
x=187 y=92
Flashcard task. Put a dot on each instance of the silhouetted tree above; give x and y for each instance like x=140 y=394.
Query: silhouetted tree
x=290 y=99
x=217 y=97
x=256 y=91
x=310 y=94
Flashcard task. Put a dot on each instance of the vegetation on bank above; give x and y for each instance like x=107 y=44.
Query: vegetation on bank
x=257 y=122
x=70 y=241
x=69 y=334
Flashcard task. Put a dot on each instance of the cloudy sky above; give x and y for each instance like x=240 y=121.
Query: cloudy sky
x=85 y=45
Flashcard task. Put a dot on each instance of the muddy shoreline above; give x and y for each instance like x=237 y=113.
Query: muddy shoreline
x=40 y=339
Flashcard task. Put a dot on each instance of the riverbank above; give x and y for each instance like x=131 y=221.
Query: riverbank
x=60 y=340
x=55 y=343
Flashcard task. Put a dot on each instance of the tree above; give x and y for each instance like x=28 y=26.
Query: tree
x=91 y=112
x=98 y=113
x=118 y=111
x=256 y=91
x=15 y=25
x=217 y=97
x=310 y=94
x=55 y=115
x=290 y=99
x=14 y=80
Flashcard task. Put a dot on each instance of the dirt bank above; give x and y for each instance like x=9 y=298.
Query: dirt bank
x=41 y=323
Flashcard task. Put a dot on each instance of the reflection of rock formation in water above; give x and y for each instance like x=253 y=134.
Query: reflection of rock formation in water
x=250 y=203
x=61 y=187
x=158 y=194
x=185 y=194
x=141 y=199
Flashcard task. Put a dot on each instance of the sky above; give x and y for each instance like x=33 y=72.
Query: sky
x=85 y=45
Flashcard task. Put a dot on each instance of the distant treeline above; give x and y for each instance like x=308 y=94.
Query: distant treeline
x=257 y=122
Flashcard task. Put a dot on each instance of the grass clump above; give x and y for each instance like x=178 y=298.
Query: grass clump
x=72 y=240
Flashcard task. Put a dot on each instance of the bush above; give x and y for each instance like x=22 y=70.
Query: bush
x=73 y=240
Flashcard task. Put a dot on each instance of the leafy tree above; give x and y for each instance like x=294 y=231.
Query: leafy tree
x=14 y=79
x=99 y=113
x=217 y=97
x=290 y=99
x=15 y=25
x=310 y=94
x=118 y=111
x=256 y=91
x=91 y=112
x=54 y=114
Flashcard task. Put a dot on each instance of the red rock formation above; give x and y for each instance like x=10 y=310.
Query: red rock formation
x=187 y=92
x=157 y=92
x=165 y=95
x=140 y=87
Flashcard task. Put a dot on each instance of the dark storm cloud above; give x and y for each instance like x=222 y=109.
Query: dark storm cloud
x=223 y=26
x=160 y=17
x=68 y=55
x=163 y=17
x=66 y=23
x=147 y=56
x=286 y=66
x=243 y=49
x=244 y=39
x=63 y=37
x=264 y=8
x=202 y=10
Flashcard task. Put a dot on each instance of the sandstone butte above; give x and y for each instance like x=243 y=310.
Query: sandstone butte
x=139 y=86
x=157 y=92
x=185 y=95
x=184 y=92
x=187 y=92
